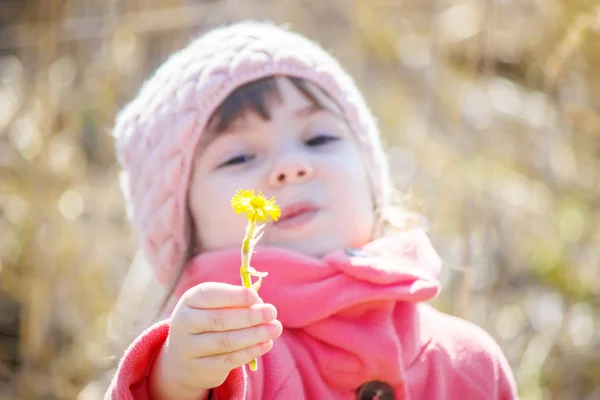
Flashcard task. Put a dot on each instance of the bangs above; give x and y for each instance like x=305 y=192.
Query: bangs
x=258 y=97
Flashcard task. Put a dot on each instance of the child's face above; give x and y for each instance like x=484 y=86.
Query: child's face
x=304 y=156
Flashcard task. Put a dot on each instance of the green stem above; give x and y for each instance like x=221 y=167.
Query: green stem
x=246 y=277
x=246 y=253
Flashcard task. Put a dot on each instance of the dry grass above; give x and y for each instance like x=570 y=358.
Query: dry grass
x=489 y=110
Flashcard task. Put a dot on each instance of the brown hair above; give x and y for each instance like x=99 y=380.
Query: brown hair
x=257 y=96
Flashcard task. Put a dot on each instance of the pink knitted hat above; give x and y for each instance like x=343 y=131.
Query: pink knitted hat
x=157 y=133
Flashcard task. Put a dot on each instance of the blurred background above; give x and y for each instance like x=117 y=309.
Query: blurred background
x=490 y=110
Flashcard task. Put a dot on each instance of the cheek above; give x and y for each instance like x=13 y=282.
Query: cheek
x=216 y=225
x=350 y=173
x=352 y=198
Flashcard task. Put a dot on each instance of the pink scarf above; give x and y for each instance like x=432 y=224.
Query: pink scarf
x=355 y=313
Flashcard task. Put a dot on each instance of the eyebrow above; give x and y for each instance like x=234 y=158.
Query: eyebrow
x=314 y=108
x=308 y=110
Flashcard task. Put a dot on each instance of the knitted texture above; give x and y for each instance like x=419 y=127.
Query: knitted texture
x=157 y=132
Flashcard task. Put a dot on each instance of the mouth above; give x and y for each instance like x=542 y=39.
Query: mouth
x=296 y=215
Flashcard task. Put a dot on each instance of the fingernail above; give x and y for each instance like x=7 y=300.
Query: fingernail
x=266 y=346
x=269 y=314
x=252 y=295
x=274 y=329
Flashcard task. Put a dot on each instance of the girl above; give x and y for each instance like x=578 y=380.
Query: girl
x=342 y=314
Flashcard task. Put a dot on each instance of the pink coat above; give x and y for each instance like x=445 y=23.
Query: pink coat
x=348 y=320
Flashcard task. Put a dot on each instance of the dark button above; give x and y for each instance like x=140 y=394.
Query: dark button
x=375 y=390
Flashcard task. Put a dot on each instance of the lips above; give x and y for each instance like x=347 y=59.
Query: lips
x=297 y=214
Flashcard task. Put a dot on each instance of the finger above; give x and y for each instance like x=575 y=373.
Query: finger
x=195 y=320
x=219 y=295
x=236 y=359
x=213 y=343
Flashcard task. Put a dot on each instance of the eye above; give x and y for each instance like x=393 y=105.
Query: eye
x=237 y=160
x=321 y=140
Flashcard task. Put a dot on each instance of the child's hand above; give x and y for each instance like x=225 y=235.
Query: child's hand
x=215 y=328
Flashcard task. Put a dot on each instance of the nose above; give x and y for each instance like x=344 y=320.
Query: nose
x=290 y=169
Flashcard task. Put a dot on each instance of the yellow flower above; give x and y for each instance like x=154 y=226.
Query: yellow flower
x=257 y=207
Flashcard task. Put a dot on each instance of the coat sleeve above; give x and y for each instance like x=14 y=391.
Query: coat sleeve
x=464 y=359
x=130 y=380
x=485 y=363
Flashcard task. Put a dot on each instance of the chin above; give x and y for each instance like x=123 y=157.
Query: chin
x=315 y=245
x=320 y=246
